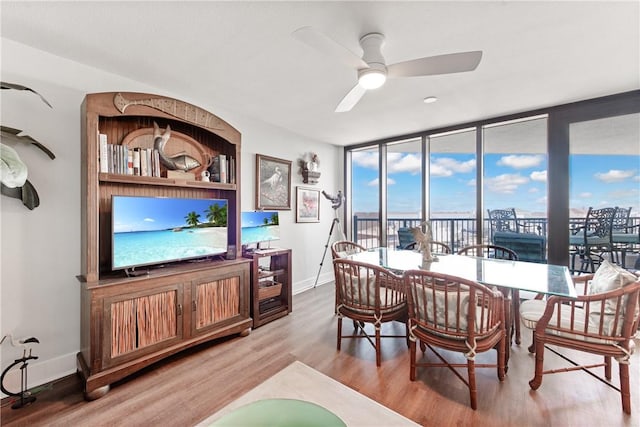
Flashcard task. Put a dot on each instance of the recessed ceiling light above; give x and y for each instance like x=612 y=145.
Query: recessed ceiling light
x=430 y=99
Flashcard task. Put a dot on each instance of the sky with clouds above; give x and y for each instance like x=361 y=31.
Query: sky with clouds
x=510 y=180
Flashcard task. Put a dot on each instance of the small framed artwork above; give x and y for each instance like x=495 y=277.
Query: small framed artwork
x=273 y=183
x=307 y=205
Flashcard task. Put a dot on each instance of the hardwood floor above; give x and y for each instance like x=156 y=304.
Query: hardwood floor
x=189 y=387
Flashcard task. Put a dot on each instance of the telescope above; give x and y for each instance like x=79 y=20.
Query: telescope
x=336 y=201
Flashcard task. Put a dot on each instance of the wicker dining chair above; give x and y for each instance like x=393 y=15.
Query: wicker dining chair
x=457 y=315
x=344 y=248
x=602 y=320
x=367 y=293
x=436 y=247
x=440 y=248
x=500 y=252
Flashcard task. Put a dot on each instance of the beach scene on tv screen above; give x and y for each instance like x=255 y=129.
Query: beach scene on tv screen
x=260 y=227
x=155 y=230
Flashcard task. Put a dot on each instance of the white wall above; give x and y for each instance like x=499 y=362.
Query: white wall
x=40 y=252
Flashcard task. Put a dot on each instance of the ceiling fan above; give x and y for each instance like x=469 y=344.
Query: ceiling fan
x=372 y=69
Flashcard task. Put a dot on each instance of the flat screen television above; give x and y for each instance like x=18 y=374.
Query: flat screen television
x=157 y=230
x=259 y=227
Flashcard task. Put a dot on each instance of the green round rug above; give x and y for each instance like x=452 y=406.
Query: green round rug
x=280 y=413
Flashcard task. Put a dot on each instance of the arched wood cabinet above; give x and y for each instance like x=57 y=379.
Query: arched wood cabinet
x=130 y=322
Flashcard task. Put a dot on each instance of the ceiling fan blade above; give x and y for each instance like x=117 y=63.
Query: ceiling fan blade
x=351 y=99
x=328 y=46
x=432 y=65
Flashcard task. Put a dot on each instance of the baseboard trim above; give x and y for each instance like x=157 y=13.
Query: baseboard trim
x=41 y=372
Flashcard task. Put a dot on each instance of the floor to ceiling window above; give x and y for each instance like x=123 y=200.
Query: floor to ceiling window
x=404 y=187
x=604 y=165
x=550 y=165
x=515 y=172
x=452 y=187
x=365 y=196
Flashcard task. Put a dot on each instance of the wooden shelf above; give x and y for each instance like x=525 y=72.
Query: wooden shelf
x=168 y=182
x=268 y=307
x=128 y=323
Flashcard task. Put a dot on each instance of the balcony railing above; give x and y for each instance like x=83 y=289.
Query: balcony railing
x=455 y=232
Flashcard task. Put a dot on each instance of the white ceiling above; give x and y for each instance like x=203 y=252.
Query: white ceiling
x=241 y=56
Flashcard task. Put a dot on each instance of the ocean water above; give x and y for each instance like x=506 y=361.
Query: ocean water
x=260 y=234
x=151 y=247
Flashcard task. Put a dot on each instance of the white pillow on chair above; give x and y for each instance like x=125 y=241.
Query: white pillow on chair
x=608 y=277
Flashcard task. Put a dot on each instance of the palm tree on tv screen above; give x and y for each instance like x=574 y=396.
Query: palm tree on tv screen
x=217 y=215
x=193 y=219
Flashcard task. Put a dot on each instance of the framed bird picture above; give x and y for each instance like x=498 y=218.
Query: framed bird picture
x=273 y=183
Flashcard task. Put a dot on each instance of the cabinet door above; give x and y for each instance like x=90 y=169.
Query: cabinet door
x=219 y=300
x=142 y=322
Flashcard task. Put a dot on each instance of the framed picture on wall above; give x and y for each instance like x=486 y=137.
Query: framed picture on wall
x=307 y=205
x=273 y=183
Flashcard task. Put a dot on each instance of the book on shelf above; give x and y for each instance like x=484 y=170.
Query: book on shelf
x=104 y=161
x=129 y=162
x=222 y=169
x=214 y=169
x=122 y=160
x=136 y=161
x=144 y=165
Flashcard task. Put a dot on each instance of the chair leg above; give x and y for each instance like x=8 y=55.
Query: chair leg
x=607 y=367
x=412 y=360
x=471 y=371
x=532 y=347
x=502 y=365
x=339 y=332
x=516 y=314
x=537 y=379
x=378 y=346
x=624 y=388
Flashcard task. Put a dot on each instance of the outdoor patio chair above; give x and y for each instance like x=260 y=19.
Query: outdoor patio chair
x=507 y=220
x=602 y=320
x=406 y=240
x=625 y=235
x=592 y=239
x=368 y=293
x=456 y=315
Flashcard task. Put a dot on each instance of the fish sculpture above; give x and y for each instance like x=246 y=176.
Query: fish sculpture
x=181 y=162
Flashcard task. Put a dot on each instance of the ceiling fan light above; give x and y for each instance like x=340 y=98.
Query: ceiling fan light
x=371 y=79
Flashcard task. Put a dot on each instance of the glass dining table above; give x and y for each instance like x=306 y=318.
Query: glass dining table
x=545 y=279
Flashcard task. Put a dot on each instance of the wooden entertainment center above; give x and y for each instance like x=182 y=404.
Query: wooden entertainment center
x=129 y=322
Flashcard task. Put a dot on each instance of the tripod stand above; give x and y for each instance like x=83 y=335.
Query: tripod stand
x=335 y=221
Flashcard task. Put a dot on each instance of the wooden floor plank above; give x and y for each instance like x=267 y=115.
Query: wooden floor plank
x=189 y=387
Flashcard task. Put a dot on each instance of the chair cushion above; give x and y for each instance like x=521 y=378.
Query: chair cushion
x=453 y=318
x=607 y=278
x=532 y=310
x=456 y=321
x=626 y=238
x=361 y=289
x=591 y=240
x=350 y=250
